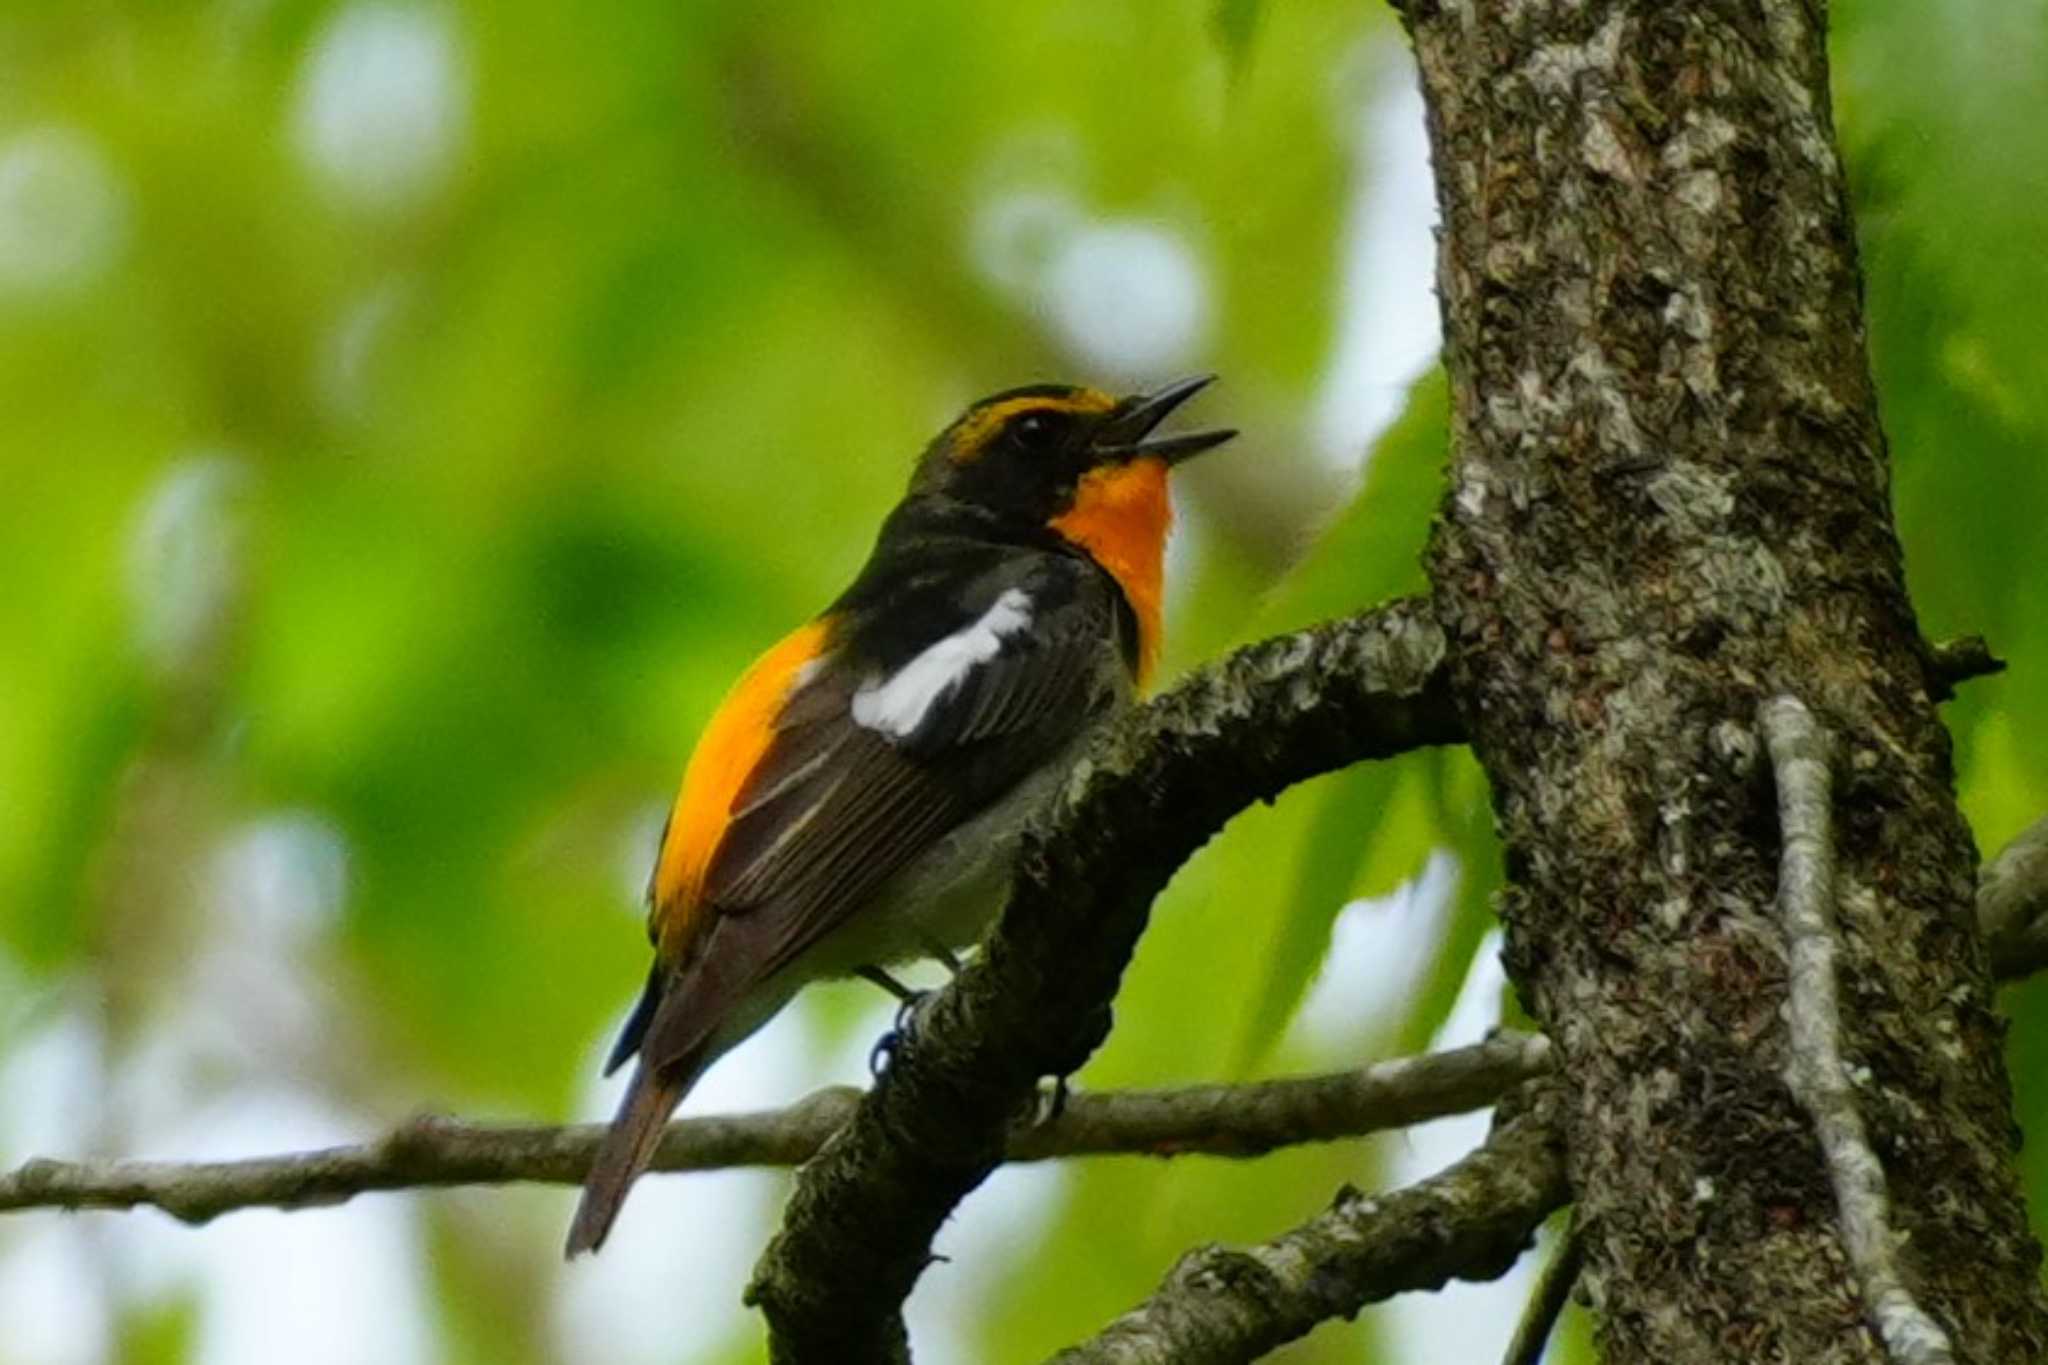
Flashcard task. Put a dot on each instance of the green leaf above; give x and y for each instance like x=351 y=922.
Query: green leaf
x=158 y=1333
x=1235 y=23
x=1464 y=821
x=109 y=713
x=1346 y=823
x=1357 y=837
x=1372 y=550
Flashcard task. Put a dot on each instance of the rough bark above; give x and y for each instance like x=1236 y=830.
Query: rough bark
x=1669 y=499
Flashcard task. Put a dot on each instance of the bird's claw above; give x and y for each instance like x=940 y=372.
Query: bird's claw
x=901 y=1034
x=883 y=1053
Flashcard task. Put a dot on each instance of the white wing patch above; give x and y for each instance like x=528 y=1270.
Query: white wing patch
x=898 y=704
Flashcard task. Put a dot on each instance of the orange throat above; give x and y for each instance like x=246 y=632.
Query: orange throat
x=1120 y=516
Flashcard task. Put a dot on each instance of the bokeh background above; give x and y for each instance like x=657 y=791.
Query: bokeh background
x=412 y=415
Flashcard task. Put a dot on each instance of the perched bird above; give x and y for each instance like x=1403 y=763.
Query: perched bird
x=857 y=798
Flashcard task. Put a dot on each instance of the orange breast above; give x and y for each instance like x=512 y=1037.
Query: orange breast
x=731 y=746
x=1120 y=516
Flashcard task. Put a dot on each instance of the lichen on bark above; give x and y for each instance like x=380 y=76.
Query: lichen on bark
x=1668 y=498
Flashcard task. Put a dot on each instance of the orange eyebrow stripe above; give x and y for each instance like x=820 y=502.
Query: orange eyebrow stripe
x=977 y=428
x=730 y=748
x=1120 y=516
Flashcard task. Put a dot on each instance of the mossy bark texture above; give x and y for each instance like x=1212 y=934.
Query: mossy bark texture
x=1668 y=500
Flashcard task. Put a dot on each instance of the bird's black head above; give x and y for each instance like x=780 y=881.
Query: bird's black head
x=1026 y=453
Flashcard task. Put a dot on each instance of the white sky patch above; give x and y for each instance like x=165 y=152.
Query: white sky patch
x=63 y=211
x=666 y=1288
x=284 y=1286
x=345 y=368
x=989 y=1242
x=252 y=1004
x=1388 y=328
x=382 y=106
x=1128 y=297
x=898 y=705
x=282 y=877
x=270 y=1286
x=267 y=1285
x=185 y=561
x=1377 y=949
x=52 y=1296
x=53 y=1082
x=255 y=1003
x=50 y=1300
x=1017 y=233
x=1464 y=1321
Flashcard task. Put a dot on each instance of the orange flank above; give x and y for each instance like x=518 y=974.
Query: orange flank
x=1120 y=516
x=727 y=753
x=980 y=424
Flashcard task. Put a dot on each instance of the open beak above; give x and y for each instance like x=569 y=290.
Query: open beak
x=1127 y=431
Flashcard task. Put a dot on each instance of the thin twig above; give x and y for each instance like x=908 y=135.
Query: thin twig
x=1959 y=660
x=1216 y=1120
x=1220 y=1306
x=1800 y=754
x=2012 y=904
x=1546 y=1302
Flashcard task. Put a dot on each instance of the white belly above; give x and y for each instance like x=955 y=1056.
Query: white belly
x=948 y=895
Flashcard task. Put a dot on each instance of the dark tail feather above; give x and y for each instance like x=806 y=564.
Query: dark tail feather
x=626 y=1150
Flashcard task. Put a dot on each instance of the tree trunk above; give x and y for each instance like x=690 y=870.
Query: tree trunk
x=1669 y=498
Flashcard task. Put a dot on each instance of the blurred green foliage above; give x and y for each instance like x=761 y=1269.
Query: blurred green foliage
x=440 y=499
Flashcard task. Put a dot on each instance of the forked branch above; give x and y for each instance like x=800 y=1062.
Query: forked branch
x=1471 y=1222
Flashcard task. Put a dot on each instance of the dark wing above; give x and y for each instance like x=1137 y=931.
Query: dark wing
x=900 y=737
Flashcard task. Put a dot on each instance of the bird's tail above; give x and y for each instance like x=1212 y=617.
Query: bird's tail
x=627 y=1148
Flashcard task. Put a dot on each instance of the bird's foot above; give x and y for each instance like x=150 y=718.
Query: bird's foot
x=901 y=1034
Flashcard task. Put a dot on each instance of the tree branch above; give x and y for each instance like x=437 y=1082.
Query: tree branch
x=2012 y=904
x=1553 y=1291
x=858 y=1229
x=1471 y=1222
x=2006 y=882
x=1960 y=659
x=1801 y=751
x=1214 y=1120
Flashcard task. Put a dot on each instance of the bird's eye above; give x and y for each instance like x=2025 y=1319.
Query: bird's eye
x=1035 y=431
